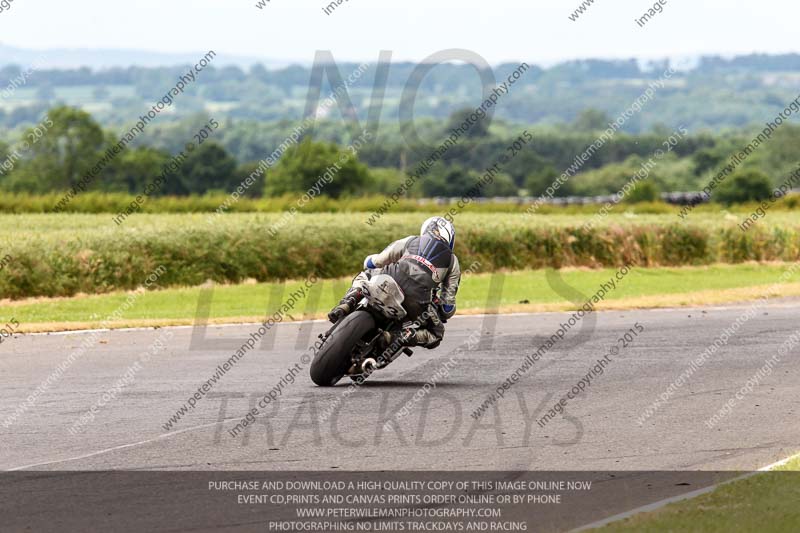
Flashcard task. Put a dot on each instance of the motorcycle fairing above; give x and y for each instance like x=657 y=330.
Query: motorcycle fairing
x=384 y=294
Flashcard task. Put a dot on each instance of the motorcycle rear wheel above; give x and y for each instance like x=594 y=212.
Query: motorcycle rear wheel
x=334 y=357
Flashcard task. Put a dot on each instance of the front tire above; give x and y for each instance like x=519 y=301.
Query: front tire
x=334 y=358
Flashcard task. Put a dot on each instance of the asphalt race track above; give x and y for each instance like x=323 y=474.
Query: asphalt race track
x=311 y=428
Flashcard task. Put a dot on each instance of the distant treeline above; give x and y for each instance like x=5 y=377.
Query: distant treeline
x=715 y=93
x=68 y=144
x=203 y=155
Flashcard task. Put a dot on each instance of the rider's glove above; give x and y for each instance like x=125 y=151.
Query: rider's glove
x=445 y=311
x=368 y=264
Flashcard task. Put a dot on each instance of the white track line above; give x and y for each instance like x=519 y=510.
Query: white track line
x=687 y=496
x=775 y=465
x=120 y=447
x=153 y=328
x=168 y=435
x=123 y=446
x=160 y=437
x=456 y=318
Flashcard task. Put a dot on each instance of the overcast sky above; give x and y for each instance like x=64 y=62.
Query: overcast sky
x=500 y=30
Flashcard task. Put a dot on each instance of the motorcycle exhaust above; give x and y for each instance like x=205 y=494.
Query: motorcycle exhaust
x=369 y=366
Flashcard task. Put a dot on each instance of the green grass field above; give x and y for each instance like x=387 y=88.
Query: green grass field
x=766 y=502
x=521 y=291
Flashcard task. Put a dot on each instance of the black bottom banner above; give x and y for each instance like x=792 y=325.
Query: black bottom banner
x=331 y=502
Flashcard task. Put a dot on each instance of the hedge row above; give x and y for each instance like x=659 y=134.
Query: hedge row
x=194 y=251
x=96 y=202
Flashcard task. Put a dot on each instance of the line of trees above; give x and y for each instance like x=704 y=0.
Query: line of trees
x=74 y=143
x=59 y=153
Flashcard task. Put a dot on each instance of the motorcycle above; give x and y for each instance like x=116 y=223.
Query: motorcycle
x=356 y=344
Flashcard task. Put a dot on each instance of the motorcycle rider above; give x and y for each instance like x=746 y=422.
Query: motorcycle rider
x=422 y=266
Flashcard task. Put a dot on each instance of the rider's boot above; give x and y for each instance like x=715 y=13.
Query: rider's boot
x=408 y=338
x=346 y=305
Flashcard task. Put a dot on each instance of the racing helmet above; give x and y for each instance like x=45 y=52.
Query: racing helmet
x=440 y=228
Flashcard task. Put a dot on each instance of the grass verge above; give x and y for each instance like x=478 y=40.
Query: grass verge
x=524 y=291
x=764 y=502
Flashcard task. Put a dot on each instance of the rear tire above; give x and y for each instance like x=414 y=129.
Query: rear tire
x=333 y=359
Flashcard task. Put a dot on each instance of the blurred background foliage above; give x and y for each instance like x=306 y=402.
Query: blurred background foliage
x=723 y=103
